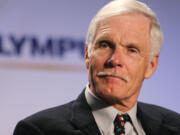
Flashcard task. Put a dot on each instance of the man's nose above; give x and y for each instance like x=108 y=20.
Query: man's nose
x=116 y=58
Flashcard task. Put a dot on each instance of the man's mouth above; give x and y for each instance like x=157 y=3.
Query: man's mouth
x=111 y=74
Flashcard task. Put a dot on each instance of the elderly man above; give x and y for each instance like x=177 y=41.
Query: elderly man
x=123 y=45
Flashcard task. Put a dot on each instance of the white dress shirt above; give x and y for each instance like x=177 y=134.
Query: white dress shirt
x=105 y=114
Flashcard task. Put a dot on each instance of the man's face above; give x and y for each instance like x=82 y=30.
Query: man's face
x=118 y=62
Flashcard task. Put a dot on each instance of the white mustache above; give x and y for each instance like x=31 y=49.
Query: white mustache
x=104 y=74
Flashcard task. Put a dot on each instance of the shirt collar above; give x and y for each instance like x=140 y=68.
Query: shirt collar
x=104 y=113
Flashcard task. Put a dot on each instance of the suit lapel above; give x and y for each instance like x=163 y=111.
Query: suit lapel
x=82 y=117
x=152 y=121
x=150 y=126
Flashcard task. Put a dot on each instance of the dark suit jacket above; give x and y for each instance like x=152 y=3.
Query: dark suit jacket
x=75 y=118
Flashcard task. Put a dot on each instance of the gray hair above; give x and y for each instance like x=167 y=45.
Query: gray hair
x=119 y=7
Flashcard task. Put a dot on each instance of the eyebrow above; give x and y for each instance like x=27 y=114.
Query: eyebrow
x=106 y=39
x=133 y=45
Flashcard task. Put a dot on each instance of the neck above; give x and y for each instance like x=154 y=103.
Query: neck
x=124 y=107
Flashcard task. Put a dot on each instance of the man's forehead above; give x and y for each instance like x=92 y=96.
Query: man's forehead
x=134 y=16
x=131 y=23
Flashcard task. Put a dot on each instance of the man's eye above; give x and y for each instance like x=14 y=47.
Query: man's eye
x=103 y=45
x=132 y=50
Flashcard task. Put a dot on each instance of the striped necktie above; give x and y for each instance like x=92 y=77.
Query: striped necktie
x=119 y=123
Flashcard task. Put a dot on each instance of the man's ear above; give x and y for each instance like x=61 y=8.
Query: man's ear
x=152 y=66
x=86 y=57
